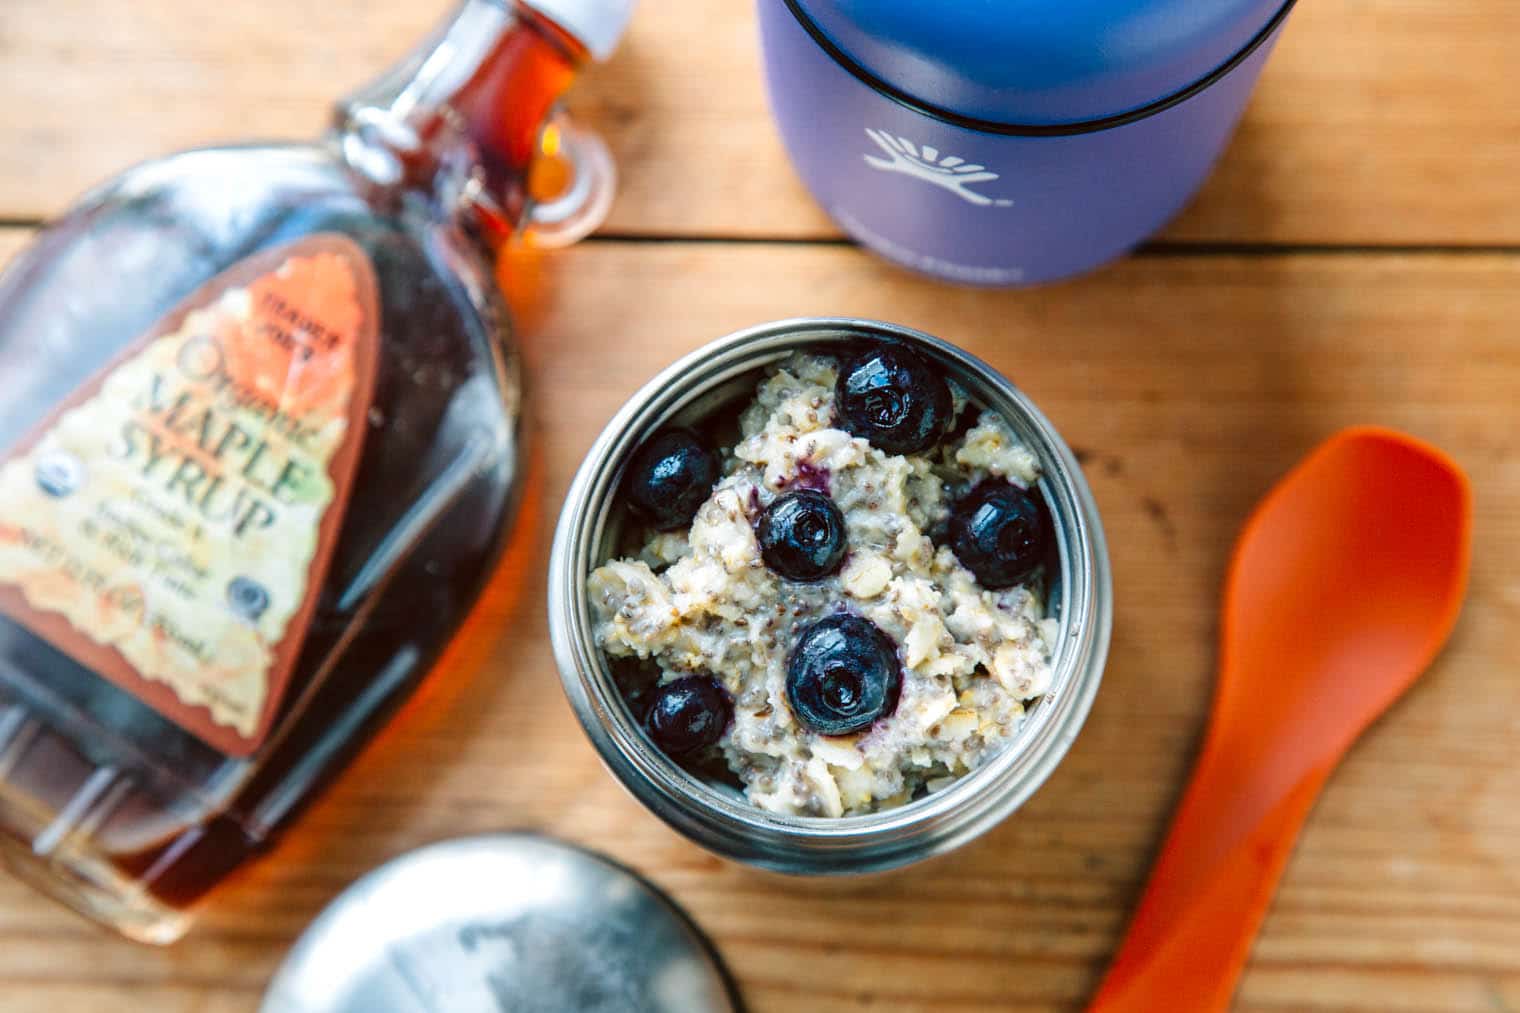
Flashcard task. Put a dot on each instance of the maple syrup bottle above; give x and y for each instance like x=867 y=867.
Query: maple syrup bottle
x=258 y=454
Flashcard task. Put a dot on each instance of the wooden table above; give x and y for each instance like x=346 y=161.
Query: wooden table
x=1355 y=259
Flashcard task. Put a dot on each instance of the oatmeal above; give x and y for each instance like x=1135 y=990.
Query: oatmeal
x=859 y=662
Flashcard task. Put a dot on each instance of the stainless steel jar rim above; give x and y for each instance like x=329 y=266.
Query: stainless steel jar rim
x=730 y=825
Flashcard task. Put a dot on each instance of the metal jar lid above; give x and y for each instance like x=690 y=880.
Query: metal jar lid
x=1033 y=63
x=508 y=923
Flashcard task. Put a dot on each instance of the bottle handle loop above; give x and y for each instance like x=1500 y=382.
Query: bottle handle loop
x=572 y=183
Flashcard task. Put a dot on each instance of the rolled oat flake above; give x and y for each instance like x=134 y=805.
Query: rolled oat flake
x=505 y=923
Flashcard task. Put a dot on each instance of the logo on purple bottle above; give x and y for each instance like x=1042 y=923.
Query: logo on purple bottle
x=951 y=172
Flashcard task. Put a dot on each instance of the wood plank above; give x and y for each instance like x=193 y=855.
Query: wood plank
x=1390 y=122
x=1190 y=384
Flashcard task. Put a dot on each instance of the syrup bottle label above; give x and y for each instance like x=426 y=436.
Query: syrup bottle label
x=170 y=524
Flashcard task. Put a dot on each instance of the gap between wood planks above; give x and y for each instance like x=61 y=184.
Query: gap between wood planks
x=1160 y=248
x=1157 y=249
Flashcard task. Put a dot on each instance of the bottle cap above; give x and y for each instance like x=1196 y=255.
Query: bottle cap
x=596 y=24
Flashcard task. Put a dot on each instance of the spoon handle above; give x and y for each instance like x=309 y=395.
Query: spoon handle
x=1211 y=887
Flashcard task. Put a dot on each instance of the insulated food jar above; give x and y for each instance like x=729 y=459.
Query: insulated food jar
x=708 y=384
x=1015 y=142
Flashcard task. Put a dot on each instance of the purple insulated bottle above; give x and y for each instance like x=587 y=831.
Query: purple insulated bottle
x=1010 y=142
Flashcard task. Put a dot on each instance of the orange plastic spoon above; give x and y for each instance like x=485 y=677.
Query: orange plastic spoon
x=1345 y=583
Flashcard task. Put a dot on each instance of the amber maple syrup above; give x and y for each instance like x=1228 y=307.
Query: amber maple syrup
x=258 y=454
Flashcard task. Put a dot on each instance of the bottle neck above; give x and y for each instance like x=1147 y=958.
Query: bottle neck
x=460 y=116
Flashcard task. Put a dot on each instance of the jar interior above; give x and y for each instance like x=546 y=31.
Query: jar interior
x=714 y=412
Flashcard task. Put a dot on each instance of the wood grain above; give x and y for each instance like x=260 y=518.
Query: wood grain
x=1189 y=383
x=1387 y=122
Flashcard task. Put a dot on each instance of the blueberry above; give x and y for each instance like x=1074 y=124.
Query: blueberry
x=689 y=715
x=894 y=399
x=999 y=532
x=636 y=680
x=843 y=675
x=670 y=477
x=802 y=536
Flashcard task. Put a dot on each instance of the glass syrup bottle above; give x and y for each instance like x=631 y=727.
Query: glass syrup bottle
x=258 y=454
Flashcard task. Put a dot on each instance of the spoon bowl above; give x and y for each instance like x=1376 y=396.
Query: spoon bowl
x=1345 y=584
